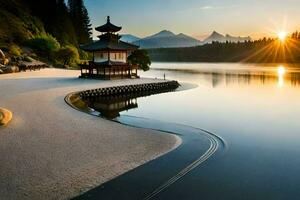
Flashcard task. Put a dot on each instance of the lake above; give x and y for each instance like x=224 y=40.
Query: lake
x=254 y=108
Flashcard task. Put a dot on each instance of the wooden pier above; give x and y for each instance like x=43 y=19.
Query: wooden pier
x=149 y=88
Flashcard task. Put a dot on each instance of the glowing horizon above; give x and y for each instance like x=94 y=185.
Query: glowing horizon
x=198 y=18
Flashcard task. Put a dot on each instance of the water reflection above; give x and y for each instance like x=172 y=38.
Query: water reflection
x=279 y=76
x=111 y=106
x=281 y=73
x=244 y=105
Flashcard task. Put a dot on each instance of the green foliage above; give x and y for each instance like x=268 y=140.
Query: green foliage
x=15 y=50
x=81 y=21
x=16 y=23
x=28 y=59
x=85 y=55
x=68 y=55
x=140 y=58
x=44 y=44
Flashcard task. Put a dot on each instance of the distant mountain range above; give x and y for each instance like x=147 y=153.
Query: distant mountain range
x=167 y=39
x=129 y=38
x=217 y=37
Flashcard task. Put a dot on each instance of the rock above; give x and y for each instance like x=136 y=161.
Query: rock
x=9 y=69
x=2 y=56
x=6 y=61
x=5 y=116
x=1 y=72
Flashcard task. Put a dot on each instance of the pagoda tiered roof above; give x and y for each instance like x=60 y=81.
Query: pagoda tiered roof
x=109 y=40
x=108 y=45
x=108 y=27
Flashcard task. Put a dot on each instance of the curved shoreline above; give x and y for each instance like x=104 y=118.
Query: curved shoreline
x=5 y=116
x=213 y=139
x=51 y=151
x=207 y=145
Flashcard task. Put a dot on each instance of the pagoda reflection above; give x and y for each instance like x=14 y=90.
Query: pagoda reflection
x=111 y=106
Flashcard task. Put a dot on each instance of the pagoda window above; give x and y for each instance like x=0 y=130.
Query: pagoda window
x=101 y=57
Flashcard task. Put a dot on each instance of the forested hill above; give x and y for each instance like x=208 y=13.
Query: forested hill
x=259 y=51
x=21 y=20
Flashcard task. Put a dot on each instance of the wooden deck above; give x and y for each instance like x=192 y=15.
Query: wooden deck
x=108 y=72
x=32 y=66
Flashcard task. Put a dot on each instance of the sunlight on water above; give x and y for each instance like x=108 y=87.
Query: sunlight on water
x=281 y=73
x=254 y=108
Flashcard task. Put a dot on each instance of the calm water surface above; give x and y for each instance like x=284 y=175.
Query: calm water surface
x=254 y=108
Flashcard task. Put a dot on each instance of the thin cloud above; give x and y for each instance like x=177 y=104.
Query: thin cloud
x=216 y=7
x=209 y=8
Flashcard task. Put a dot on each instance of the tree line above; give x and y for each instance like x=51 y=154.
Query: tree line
x=52 y=29
x=68 y=22
x=268 y=50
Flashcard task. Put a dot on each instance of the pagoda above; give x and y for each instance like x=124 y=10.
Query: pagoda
x=109 y=55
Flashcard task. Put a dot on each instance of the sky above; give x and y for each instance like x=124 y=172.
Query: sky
x=198 y=18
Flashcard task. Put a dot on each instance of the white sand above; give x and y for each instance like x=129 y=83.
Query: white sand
x=51 y=151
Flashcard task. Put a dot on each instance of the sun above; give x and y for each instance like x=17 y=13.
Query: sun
x=281 y=70
x=282 y=35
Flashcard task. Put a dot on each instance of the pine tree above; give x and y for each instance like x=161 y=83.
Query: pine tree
x=63 y=29
x=81 y=21
x=56 y=19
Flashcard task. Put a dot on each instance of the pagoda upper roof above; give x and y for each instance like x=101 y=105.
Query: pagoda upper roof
x=108 y=27
x=109 y=45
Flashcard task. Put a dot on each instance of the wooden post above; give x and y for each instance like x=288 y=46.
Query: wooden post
x=108 y=56
x=109 y=71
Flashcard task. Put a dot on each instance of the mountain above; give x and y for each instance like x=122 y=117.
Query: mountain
x=217 y=37
x=237 y=39
x=129 y=38
x=164 y=33
x=167 y=39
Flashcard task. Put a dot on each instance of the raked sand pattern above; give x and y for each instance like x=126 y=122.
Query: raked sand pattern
x=51 y=151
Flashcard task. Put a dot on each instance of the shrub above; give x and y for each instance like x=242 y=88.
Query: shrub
x=15 y=50
x=68 y=55
x=44 y=44
x=28 y=59
x=84 y=55
x=140 y=58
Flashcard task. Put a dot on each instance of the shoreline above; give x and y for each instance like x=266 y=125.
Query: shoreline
x=187 y=158
x=52 y=151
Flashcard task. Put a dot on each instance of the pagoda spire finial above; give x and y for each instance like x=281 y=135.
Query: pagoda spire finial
x=108 y=19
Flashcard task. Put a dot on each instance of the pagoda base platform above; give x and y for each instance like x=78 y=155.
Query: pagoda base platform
x=108 y=78
x=108 y=72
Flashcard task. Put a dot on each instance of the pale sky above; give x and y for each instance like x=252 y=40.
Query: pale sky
x=198 y=18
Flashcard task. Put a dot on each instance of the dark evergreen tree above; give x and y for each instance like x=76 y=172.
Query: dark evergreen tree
x=56 y=18
x=63 y=29
x=81 y=21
